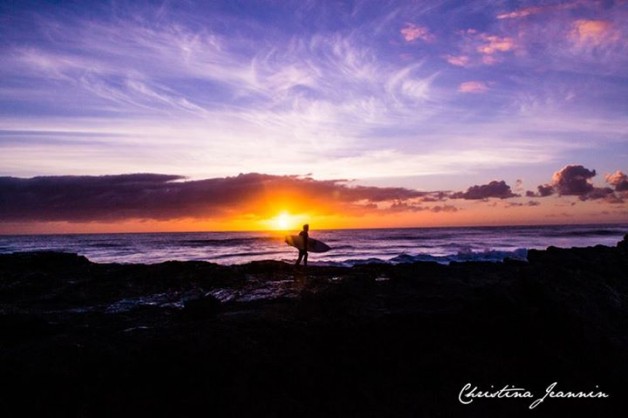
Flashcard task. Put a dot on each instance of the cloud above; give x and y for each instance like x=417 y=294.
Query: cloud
x=406 y=207
x=544 y=190
x=412 y=32
x=573 y=180
x=168 y=197
x=619 y=180
x=517 y=14
x=535 y=10
x=530 y=203
x=587 y=32
x=602 y=193
x=458 y=60
x=417 y=207
x=481 y=48
x=492 y=44
x=444 y=208
x=473 y=87
x=497 y=189
x=569 y=37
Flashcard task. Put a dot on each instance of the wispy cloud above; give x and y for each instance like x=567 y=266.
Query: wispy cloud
x=525 y=12
x=543 y=9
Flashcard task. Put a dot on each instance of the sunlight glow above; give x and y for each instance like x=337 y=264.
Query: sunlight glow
x=284 y=222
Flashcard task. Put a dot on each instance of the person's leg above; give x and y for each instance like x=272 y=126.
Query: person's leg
x=305 y=259
x=300 y=257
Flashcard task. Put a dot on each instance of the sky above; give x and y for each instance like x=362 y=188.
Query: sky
x=220 y=115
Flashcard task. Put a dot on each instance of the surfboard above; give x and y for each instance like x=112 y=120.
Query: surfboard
x=313 y=245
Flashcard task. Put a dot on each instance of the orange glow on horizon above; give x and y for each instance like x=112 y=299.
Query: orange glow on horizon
x=269 y=216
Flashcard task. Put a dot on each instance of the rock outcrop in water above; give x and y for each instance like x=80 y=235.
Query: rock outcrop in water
x=266 y=339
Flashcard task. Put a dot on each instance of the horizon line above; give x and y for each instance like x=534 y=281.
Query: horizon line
x=286 y=231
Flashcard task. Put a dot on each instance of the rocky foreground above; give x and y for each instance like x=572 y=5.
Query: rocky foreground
x=264 y=339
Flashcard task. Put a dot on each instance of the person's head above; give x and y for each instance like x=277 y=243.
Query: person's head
x=306 y=227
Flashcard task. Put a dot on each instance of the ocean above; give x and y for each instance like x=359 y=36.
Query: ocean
x=349 y=247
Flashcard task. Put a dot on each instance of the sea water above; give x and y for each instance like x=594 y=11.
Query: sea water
x=349 y=247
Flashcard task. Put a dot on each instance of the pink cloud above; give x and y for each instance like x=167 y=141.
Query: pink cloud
x=412 y=32
x=490 y=60
x=593 y=32
x=458 y=60
x=492 y=44
x=482 y=48
x=619 y=180
x=473 y=87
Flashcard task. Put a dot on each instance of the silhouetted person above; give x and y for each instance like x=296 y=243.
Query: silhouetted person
x=303 y=252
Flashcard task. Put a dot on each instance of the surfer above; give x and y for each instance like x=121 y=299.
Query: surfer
x=305 y=244
x=303 y=251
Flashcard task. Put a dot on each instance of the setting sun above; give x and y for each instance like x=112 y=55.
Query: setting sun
x=284 y=221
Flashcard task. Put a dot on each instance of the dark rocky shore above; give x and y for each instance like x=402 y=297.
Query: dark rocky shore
x=264 y=339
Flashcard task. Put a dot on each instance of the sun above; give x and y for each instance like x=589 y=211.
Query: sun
x=282 y=222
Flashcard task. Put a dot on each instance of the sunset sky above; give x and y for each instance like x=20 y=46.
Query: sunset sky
x=221 y=115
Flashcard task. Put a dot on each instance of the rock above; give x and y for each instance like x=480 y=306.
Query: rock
x=368 y=347
x=623 y=244
x=43 y=260
x=200 y=308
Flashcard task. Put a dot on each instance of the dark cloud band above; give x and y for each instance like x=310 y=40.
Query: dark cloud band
x=164 y=197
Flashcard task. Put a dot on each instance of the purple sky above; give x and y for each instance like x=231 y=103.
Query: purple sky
x=424 y=95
